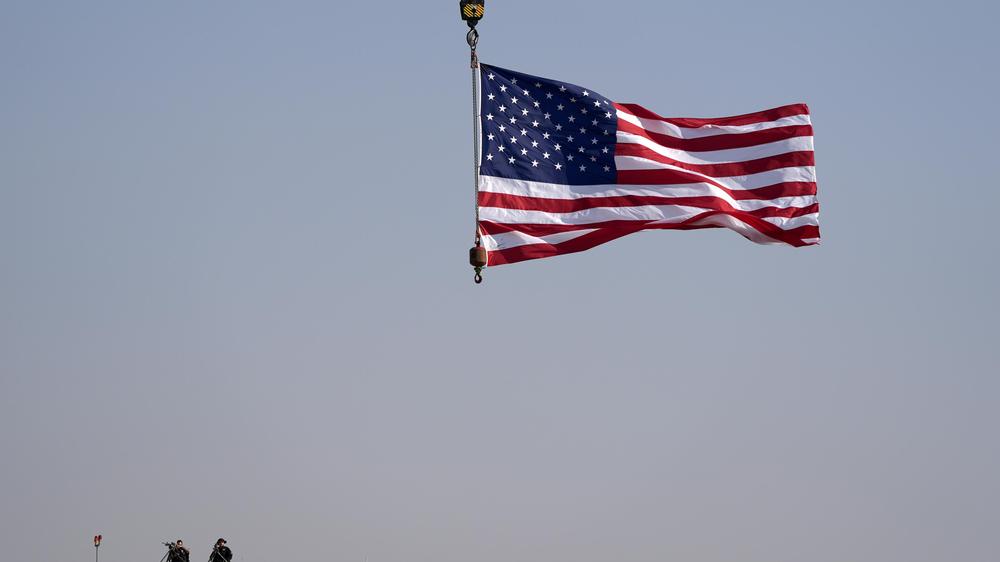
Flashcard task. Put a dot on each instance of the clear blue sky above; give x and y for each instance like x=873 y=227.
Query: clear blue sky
x=235 y=301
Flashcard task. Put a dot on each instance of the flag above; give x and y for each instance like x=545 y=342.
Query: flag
x=564 y=169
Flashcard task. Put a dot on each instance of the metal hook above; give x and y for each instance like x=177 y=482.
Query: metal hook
x=478 y=278
x=472 y=38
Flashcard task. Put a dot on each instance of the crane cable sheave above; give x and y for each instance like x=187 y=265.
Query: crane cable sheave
x=472 y=11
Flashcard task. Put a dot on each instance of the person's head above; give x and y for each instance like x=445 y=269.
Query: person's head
x=180 y=542
x=220 y=542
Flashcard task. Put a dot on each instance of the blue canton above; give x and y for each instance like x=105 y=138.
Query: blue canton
x=547 y=131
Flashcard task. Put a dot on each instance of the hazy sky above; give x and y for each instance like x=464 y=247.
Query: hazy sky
x=235 y=301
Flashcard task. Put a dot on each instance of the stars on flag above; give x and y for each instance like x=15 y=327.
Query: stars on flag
x=541 y=117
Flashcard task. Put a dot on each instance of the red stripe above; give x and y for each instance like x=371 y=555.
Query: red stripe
x=719 y=142
x=798 y=158
x=506 y=201
x=805 y=232
x=801 y=232
x=535 y=251
x=792 y=237
x=694 y=122
x=546 y=229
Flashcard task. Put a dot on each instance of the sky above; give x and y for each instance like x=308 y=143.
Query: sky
x=235 y=299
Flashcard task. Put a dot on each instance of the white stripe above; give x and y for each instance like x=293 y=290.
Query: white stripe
x=525 y=188
x=727 y=156
x=660 y=213
x=733 y=223
x=748 y=181
x=670 y=213
x=560 y=191
x=509 y=240
x=794 y=222
x=665 y=128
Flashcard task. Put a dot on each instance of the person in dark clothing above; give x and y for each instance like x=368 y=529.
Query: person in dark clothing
x=179 y=552
x=221 y=552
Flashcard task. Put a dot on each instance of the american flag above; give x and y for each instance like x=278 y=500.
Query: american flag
x=563 y=169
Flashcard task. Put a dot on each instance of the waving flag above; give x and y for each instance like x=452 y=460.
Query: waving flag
x=564 y=169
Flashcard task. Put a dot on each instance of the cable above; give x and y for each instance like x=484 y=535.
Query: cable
x=472 y=38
